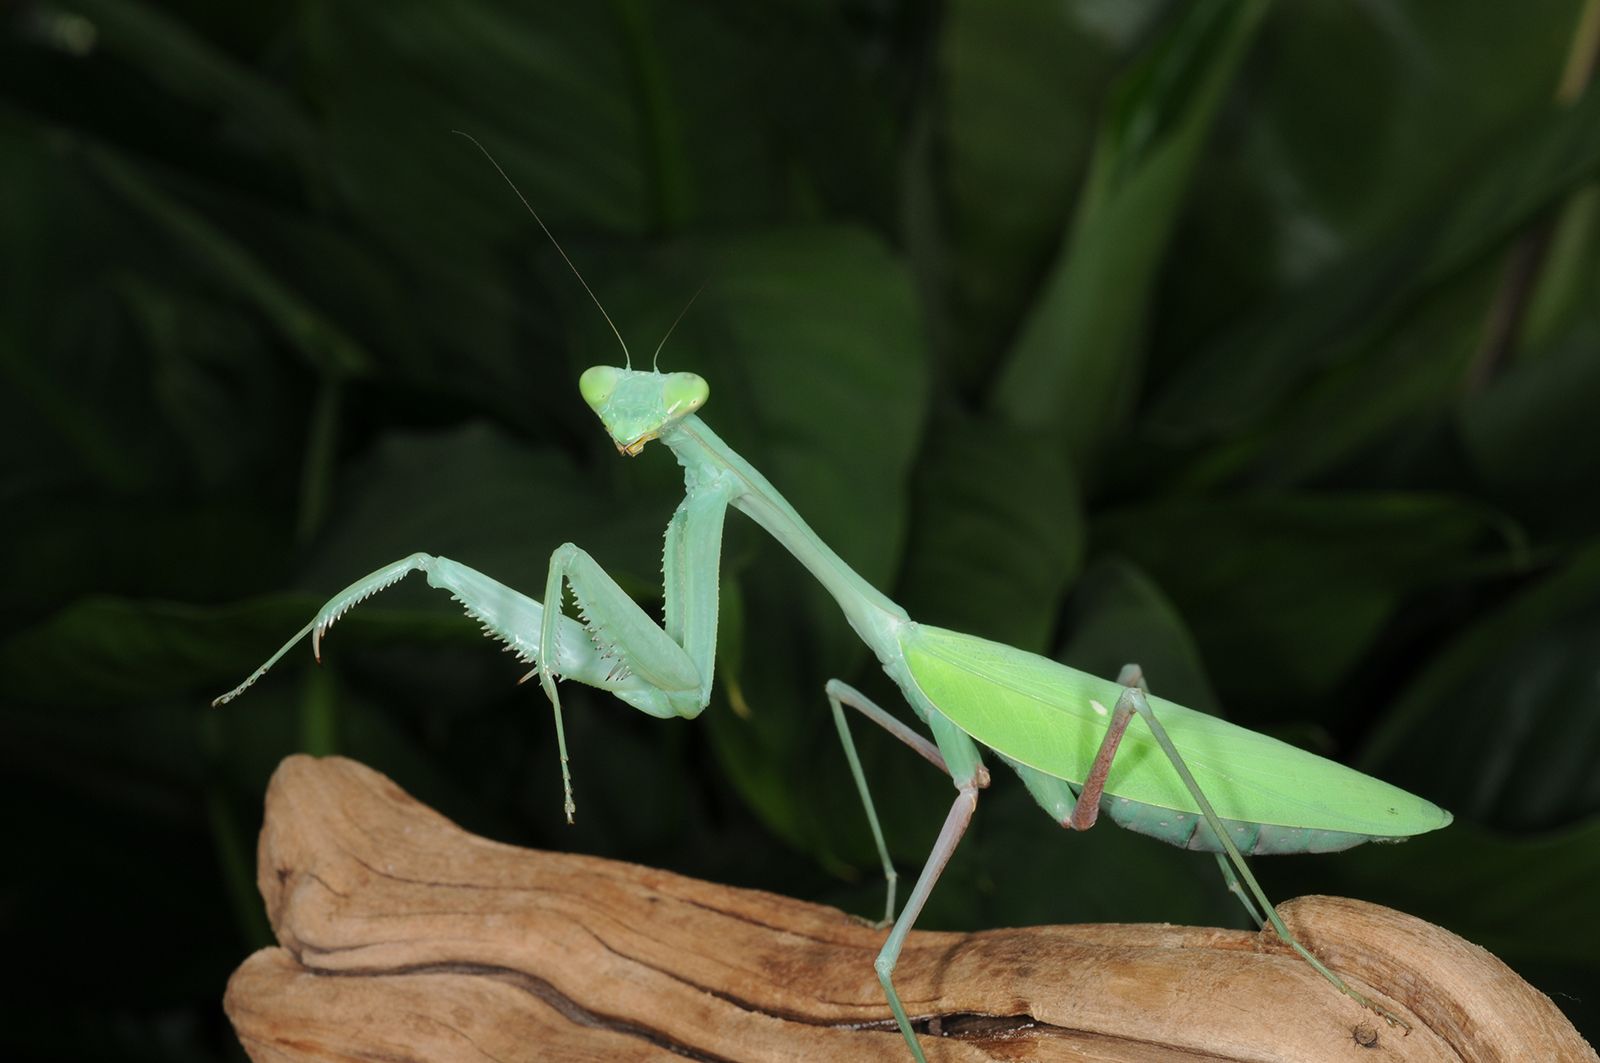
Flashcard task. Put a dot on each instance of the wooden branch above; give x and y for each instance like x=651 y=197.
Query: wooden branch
x=405 y=938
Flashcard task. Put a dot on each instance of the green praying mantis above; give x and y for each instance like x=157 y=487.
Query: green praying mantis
x=1184 y=777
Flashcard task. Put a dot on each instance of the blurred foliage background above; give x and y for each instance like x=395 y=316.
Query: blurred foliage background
x=1260 y=344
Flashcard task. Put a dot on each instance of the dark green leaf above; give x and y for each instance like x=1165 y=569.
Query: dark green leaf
x=1288 y=591
x=1237 y=379
x=999 y=534
x=1075 y=365
x=1503 y=725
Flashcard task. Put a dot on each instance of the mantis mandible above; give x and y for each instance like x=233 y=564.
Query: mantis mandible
x=1181 y=776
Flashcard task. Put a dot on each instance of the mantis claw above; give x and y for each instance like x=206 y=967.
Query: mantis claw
x=569 y=806
x=1390 y=1017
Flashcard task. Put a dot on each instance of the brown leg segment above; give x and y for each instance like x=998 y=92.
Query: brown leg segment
x=1087 y=810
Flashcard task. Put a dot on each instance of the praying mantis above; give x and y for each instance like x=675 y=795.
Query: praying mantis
x=1181 y=776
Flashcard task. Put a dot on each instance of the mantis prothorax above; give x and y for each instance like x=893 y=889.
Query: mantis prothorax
x=1181 y=776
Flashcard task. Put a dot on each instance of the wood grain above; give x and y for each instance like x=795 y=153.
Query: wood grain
x=402 y=937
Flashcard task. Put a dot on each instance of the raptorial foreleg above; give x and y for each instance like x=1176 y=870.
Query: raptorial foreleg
x=668 y=669
x=621 y=632
x=505 y=614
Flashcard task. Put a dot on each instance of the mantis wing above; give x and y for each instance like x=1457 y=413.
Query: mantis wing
x=1050 y=717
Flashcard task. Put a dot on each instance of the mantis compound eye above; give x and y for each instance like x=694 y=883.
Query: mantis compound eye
x=597 y=383
x=684 y=393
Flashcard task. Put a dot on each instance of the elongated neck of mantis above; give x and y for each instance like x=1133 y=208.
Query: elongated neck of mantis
x=872 y=614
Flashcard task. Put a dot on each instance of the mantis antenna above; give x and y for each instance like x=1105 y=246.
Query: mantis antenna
x=655 y=361
x=626 y=357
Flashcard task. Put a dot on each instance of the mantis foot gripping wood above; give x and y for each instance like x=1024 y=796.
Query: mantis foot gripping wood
x=405 y=938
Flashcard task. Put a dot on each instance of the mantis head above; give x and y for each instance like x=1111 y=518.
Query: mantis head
x=636 y=407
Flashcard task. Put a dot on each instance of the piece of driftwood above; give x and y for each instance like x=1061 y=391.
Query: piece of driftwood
x=405 y=938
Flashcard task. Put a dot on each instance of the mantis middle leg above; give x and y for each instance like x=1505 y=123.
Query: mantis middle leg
x=674 y=662
x=951 y=747
x=1087 y=808
x=953 y=753
x=841 y=694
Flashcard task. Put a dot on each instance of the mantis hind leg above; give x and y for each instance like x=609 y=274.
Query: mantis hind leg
x=1238 y=890
x=841 y=694
x=1078 y=807
x=1133 y=700
x=1133 y=676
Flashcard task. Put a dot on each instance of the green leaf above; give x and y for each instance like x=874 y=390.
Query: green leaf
x=322 y=342
x=1000 y=538
x=1388 y=398
x=1075 y=365
x=72 y=551
x=147 y=650
x=1286 y=592
x=1006 y=73
x=1568 y=275
x=1239 y=379
x=999 y=534
x=476 y=495
x=548 y=90
x=1503 y=725
x=203 y=75
x=1531 y=434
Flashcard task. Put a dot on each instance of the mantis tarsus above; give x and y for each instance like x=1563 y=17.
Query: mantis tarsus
x=1187 y=778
